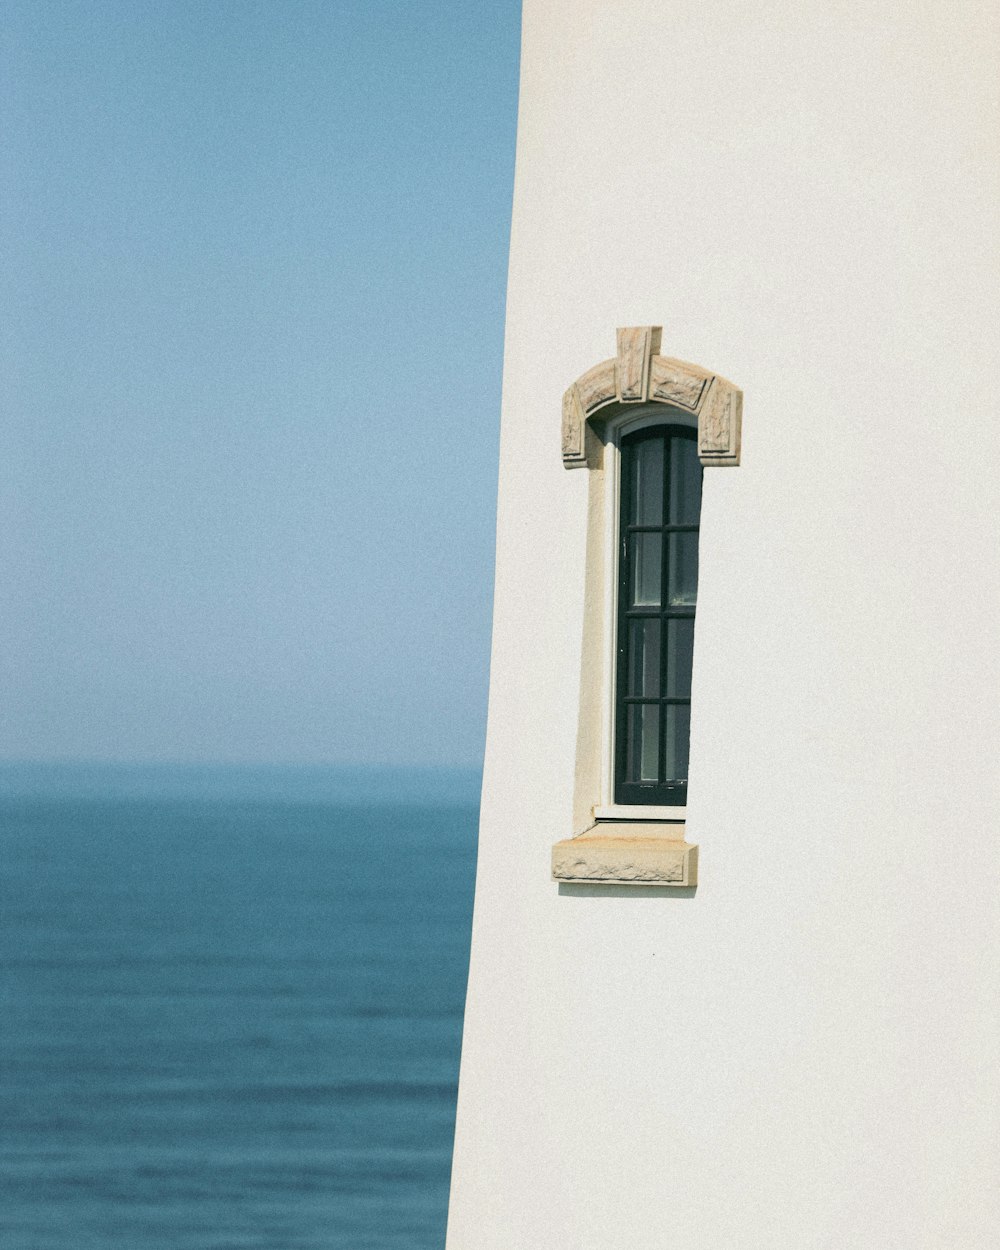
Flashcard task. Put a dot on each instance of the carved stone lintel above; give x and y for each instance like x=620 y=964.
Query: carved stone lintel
x=636 y=347
x=674 y=382
x=719 y=424
x=640 y=375
x=572 y=429
x=617 y=854
x=597 y=387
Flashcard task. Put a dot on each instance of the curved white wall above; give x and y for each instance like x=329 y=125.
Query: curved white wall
x=804 y=1054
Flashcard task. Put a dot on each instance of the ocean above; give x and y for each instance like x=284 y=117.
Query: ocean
x=230 y=1006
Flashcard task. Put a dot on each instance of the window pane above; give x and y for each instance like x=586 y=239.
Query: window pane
x=644 y=658
x=647 y=552
x=685 y=482
x=683 y=572
x=680 y=651
x=647 y=482
x=678 y=731
x=643 y=747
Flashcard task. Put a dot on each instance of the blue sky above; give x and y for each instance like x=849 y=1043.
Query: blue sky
x=254 y=260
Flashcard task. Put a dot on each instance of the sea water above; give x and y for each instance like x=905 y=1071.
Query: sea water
x=230 y=1009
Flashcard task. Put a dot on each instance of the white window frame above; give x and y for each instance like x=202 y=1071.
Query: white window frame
x=617 y=427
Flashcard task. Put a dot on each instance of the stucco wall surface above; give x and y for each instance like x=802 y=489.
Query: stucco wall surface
x=804 y=1054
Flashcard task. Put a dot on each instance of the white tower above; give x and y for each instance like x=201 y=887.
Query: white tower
x=789 y=1038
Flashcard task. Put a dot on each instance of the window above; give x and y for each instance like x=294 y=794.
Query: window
x=643 y=426
x=660 y=505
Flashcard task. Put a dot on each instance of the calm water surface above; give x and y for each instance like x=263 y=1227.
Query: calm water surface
x=229 y=1023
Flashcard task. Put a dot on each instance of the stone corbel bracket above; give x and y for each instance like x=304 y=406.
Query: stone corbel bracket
x=639 y=375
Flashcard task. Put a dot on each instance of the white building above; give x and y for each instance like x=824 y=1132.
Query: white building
x=801 y=1051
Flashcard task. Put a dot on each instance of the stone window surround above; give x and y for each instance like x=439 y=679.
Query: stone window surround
x=634 y=845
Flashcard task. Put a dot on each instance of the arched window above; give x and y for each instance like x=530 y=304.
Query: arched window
x=660 y=506
x=643 y=425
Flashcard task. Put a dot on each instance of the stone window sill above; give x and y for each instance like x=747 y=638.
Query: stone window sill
x=632 y=853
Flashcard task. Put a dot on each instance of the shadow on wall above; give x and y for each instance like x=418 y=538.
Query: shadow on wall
x=580 y=889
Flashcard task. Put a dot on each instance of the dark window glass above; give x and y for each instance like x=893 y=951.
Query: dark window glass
x=682 y=577
x=647 y=483
x=642 y=755
x=644 y=657
x=647 y=566
x=680 y=650
x=685 y=483
x=657 y=595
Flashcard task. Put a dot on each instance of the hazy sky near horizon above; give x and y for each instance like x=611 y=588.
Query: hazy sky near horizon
x=254 y=274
